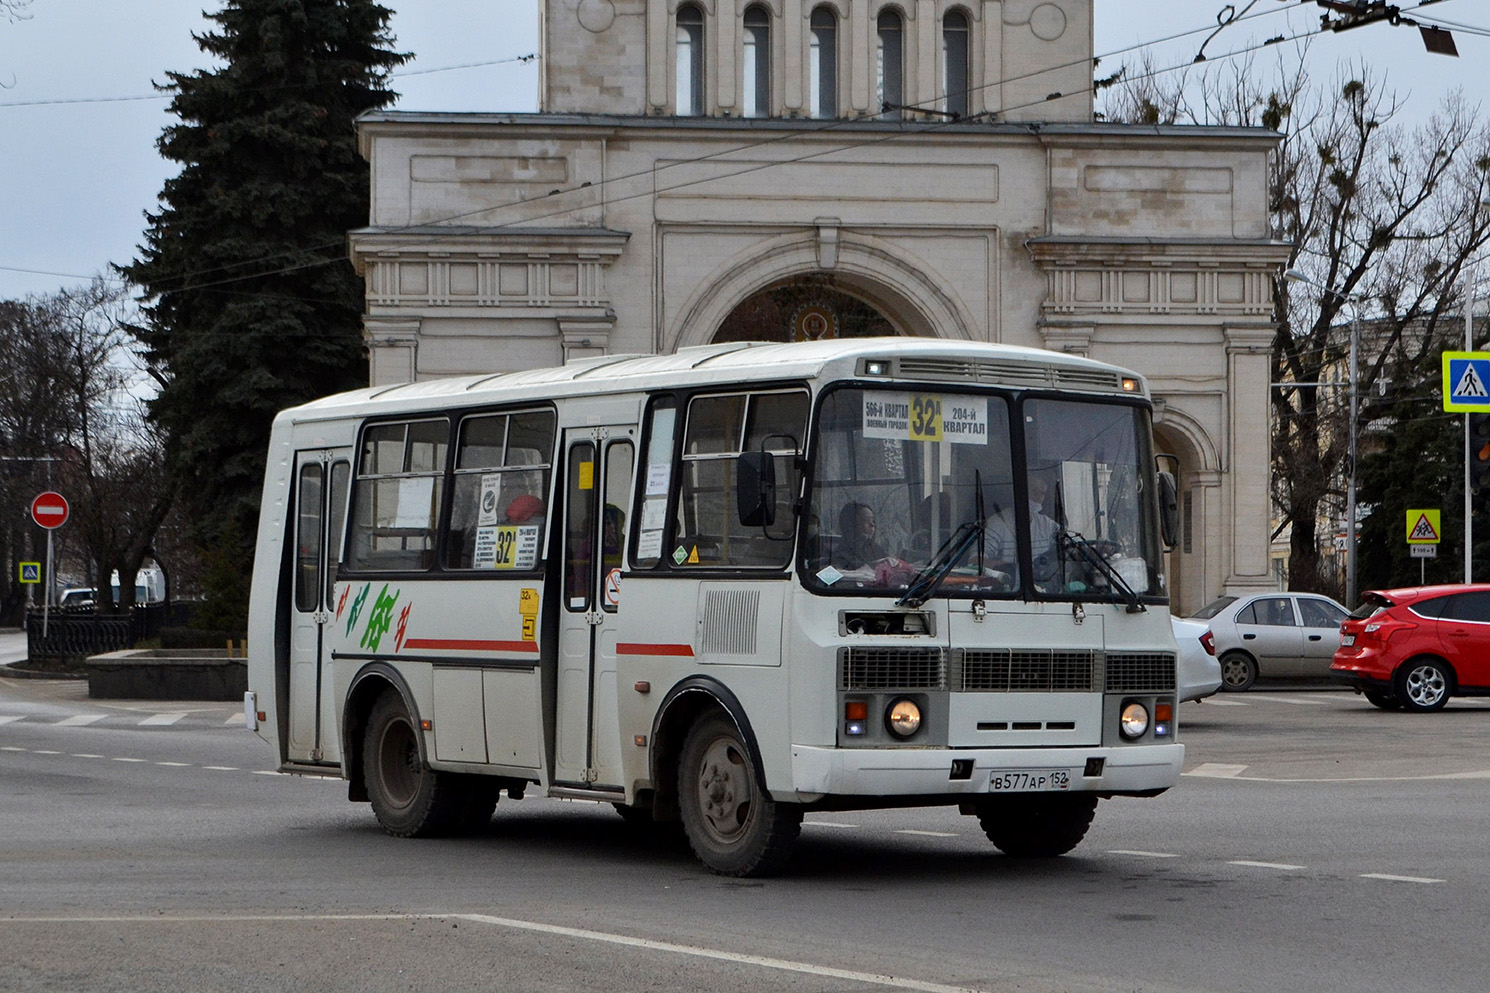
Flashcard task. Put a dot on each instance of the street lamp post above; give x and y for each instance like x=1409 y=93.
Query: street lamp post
x=1296 y=276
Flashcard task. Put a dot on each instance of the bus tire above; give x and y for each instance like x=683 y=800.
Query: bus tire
x=410 y=799
x=1035 y=825
x=478 y=803
x=734 y=828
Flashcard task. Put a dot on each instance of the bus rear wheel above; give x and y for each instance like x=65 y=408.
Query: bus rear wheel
x=732 y=825
x=1036 y=825
x=410 y=799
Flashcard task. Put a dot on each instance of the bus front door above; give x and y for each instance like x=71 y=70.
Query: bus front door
x=599 y=465
x=321 y=482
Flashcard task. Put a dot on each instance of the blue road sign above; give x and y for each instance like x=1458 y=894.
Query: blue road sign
x=30 y=572
x=1466 y=381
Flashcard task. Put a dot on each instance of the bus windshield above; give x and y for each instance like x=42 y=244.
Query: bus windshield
x=899 y=476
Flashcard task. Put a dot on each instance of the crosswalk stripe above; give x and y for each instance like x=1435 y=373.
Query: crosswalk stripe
x=79 y=720
x=162 y=719
x=236 y=719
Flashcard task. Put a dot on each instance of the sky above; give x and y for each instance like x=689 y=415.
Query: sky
x=79 y=117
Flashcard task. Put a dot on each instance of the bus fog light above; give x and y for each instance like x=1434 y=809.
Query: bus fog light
x=903 y=718
x=854 y=728
x=1134 y=721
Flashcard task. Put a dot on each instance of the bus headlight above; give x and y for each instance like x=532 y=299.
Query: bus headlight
x=903 y=718
x=1134 y=720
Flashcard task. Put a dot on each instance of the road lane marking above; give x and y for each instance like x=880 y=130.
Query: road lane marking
x=237 y=719
x=828 y=824
x=179 y=765
x=85 y=755
x=1265 y=865
x=1217 y=770
x=1213 y=702
x=161 y=719
x=1142 y=855
x=120 y=759
x=1399 y=879
x=221 y=768
x=79 y=720
x=10 y=748
x=42 y=751
x=9 y=718
x=604 y=937
x=1294 y=701
x=929 y=834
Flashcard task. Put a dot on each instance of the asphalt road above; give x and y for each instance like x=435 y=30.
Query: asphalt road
x=1315 y=844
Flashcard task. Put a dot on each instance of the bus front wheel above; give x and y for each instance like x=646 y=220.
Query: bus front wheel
x=1034 y=825
x=732 y=825
x=410 y=799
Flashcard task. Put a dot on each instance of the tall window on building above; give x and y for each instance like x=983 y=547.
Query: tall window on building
x=954 y=61
x=891 y=62
x=690 y=61
x=823 y=63
x=757 y=63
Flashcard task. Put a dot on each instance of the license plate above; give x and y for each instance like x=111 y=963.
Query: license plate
x=1020 y=781
x=1347 y=640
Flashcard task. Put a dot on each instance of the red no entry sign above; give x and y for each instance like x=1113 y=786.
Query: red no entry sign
x=49 y=510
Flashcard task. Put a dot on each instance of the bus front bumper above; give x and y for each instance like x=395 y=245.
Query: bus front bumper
x=1132 y=769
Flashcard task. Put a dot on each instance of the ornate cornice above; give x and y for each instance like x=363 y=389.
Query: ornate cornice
x=1109 y=276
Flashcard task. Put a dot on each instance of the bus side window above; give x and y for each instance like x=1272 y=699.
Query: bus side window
x=651 y=524
x=502 y=470
x=400 y=479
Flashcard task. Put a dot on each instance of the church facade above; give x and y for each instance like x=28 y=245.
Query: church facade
x=711 y=170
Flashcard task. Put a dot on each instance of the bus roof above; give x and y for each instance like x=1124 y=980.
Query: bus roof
x=739 y=362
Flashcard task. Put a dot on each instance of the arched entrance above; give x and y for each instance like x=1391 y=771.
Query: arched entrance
x=806 y=308
x=1194 y=565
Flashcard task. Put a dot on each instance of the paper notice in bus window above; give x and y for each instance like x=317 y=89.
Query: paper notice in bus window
x=491 y=498
x=654 y=514
x=415 y=502
x=649 y=545
x=586 y=476
x=507 y=547
x=657 y=479
x=925 y=417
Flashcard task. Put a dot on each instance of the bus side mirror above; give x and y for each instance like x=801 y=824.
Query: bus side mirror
x=1169 y=509
x=755 y=489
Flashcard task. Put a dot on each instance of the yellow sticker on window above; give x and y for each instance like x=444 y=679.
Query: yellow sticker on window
x=587 y=475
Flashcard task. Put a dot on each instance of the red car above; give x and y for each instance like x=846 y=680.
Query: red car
x=1414 y=648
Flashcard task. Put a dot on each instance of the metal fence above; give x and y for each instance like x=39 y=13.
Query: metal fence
x=70 y=636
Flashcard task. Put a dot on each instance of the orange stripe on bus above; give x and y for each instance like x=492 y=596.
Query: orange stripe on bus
x=472 y=645
x=633 y=648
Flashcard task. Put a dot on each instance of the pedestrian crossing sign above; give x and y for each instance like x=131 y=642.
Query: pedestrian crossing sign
x=30 y=572
x=1466 y=381
x=1423 y=527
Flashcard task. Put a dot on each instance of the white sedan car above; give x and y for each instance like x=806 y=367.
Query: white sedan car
x=1199 y=670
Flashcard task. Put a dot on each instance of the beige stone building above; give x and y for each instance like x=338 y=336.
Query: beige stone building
x=713 y=169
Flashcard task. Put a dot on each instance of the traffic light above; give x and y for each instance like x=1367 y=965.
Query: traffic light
x=1479 y=459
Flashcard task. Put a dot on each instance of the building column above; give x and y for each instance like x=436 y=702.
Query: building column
x=392 y=349
x=581 y=337
x=1248 y=461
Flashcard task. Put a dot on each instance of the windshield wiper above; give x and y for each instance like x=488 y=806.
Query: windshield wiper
x=924 y=584
x=1073 y=539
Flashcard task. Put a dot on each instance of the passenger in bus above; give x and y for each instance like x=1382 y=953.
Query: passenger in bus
x=612 y=536
x=1002 y=546
x=524 y=509
x=858 y=546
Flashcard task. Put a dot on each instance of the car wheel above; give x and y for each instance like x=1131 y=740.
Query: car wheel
x=1383 y=700
x=1424 y=684
x=1238 y=671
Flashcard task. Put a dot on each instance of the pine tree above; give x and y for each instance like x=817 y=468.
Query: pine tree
x=251 y=303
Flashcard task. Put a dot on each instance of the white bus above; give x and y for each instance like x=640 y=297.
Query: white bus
x=727 y=586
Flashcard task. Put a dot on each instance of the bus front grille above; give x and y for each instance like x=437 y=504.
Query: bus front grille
x=1140 y=672
x=1027 y=671
x=892 y=669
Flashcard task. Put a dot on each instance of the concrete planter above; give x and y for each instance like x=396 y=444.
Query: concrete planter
x=167 y=674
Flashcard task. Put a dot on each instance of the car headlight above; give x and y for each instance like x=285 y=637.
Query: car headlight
x=903 y=718
x=1134 y=720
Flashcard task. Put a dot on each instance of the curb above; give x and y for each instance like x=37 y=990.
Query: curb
x=15 y=670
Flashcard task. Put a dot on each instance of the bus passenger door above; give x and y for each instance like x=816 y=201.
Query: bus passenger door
x=599 y=465
x=321 y=482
